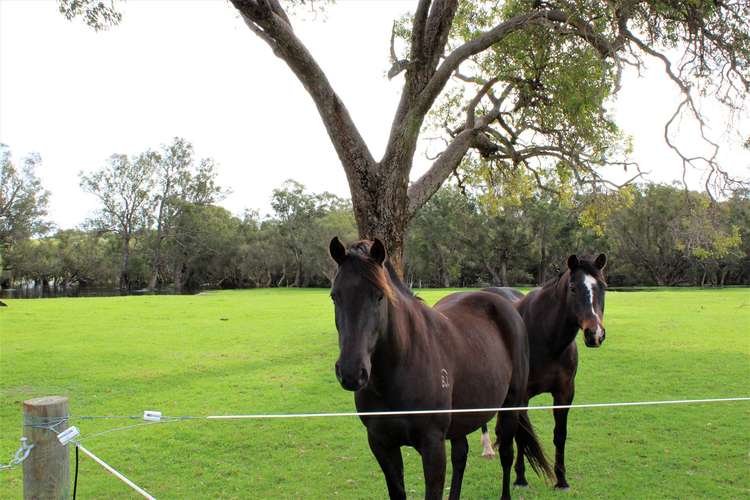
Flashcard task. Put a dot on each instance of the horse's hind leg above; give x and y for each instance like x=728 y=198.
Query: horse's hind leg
x=459 y=454
x=389 y=458
x=507 y=424
x=487 y=450
x=563 y=397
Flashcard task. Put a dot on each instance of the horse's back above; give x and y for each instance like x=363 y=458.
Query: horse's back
x=488 y=328
x=505 y=292
x=466 y=308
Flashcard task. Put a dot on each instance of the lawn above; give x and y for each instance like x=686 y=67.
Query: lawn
x=273 y=351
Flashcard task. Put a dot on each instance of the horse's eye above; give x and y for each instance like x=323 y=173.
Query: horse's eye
x=572 y=287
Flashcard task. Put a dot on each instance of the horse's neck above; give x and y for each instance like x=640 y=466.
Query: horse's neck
x=403 y=320
x=559 y=332
x=400 y=336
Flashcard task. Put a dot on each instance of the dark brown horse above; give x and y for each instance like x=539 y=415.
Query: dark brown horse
x=396 y=353
x=553 y=314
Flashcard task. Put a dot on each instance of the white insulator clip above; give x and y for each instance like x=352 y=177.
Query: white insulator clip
x=152 y=416
x=68 y=435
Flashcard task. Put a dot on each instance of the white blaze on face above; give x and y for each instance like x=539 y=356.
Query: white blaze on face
x=591 y=283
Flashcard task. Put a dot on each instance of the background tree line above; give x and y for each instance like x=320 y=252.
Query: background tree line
x=158 y=226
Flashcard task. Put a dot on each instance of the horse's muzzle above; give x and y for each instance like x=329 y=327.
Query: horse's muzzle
x=352 y=383
x=592 y=338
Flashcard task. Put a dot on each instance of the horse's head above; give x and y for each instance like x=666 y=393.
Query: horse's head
x=586 y=288
x=360 y=294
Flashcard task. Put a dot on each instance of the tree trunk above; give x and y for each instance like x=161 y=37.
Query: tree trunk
x=494 y=278
x=542 y=276
x=178 y=278
x=154 y=277
x=152 y=280
x=297 y=271
x=156 y=260
x=382 y=199
x=283 y=276
x=380 y=207
x=504 y=273
x=446 y=277
x=124 y=278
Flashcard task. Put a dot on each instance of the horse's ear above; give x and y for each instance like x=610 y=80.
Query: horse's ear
x=377 y=251
x=573 y=262
x=601 y=261
x=337 y=250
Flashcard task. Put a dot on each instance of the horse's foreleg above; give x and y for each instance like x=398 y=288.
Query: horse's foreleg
x=507 y=424
x=561 y=432
x=389 y=458
x=432 y=450
x=459 y=454
x=520 y=466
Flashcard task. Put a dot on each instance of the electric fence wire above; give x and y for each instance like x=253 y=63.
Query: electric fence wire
x=51 y=425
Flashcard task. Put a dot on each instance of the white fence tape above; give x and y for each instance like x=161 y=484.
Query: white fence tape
x=112 y=471
x=466 y=410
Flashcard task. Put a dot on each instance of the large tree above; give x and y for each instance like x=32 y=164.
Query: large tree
x=23 y=200
x=532 y=78
x=123 y=187
x=178 y=180
x=300 y=218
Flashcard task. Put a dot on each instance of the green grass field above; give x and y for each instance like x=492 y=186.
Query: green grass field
x=273 y=351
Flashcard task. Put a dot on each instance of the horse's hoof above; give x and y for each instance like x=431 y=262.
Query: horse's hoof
x=562 y=487
x=488 y=456
x=523 y=485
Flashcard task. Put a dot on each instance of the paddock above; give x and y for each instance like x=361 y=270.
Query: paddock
x=272 y=351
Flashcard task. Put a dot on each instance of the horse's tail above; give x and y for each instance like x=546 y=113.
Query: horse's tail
x=526 y=439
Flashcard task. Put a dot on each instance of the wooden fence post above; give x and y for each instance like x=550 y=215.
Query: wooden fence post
x=46 y=471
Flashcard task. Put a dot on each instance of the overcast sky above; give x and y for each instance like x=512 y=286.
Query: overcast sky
x=193 y=69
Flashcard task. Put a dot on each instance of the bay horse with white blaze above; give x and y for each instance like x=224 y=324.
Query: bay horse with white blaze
x=396 y=353
x=553 y=314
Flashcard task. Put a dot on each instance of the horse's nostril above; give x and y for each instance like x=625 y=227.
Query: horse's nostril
x=363 y=376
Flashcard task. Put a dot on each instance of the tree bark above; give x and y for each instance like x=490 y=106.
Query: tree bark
x=494 y=277
x=297 y=272
x=156 y=263
x=542 y=276
x=124 y=277
x=283 y=277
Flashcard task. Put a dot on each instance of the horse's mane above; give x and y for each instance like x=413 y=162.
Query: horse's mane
x=586 y=263
x=413 y=314
x=384 y=277
x=398 y=282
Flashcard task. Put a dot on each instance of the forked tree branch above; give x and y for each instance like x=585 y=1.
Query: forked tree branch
x=268 y=19
x=427 y=185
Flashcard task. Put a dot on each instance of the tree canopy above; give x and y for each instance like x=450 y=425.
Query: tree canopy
x=23 y=199
x=517 y=85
